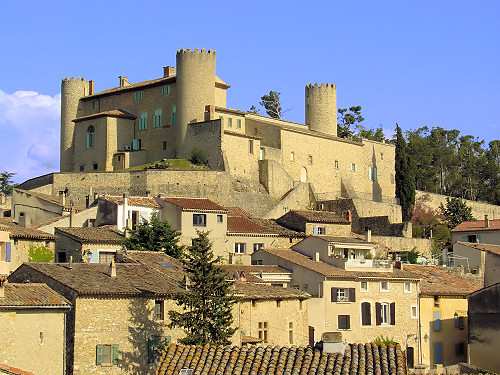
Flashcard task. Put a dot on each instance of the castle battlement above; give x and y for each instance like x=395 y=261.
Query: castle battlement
x=72 y=79
x=323 y=85
x=188 y=53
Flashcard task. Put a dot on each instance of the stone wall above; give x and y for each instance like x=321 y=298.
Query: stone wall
x=422 y=245
x=21 y=247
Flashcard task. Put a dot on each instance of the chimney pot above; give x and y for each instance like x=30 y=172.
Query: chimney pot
x=368 y=235
x=123 y=81
x=168 y=71
x=112 y=269
x=316 y=257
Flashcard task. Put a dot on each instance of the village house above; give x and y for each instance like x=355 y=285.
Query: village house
x=32 y=319
x=316 y=222
x=442 y=312
x=477 y=231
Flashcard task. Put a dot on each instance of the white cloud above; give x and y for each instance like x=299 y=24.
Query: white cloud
x=29 y=124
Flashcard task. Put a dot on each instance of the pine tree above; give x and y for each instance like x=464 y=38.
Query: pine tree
x=405 y=176
x=154 y=235
x=456 y=211
x=207 y=304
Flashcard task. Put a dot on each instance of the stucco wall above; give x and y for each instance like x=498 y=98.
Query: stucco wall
x=249 y=241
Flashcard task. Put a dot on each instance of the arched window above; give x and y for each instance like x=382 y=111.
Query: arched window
x=90 y=137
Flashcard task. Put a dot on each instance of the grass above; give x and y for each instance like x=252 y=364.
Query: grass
x=169 y=164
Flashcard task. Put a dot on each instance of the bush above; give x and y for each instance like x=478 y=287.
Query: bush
x=381 y=340
x=197 y=156
x=40 y=254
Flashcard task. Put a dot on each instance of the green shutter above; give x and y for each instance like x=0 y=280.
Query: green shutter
x=98 y=355
x=478 y=238
x=238 y=124
x=151 y=349
x=464 y=238
x=116 y=353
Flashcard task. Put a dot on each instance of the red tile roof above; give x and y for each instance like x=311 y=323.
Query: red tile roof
x=96 y=235
x=117 y=113
x=18 y=231
x=477 y=225
x=31 y=295
x=13 y=370
x=321 y=217
x=244 y=225
x=494 y=249
x=134 y=86
x=356 y=359
x=251 y=273
x=199 y=204
x=134 y=201
x=437 y=281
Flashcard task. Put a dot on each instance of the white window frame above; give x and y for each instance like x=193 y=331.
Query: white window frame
x=382 y=289
x=240 y=248
x=343 y=295
x=385 y=313
x=257 y=246
x=354 y=167
x=405 y=285
x=414 y=307
x=292 y=156
x=365 y=289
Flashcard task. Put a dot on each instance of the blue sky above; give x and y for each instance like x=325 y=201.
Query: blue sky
x=433 y=63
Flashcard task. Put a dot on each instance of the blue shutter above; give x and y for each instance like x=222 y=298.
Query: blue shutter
x=135 y=144
x=438 y=354
x=8 y=251
x=437 y=321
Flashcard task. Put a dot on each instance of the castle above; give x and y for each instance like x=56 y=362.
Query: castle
x=168 y=117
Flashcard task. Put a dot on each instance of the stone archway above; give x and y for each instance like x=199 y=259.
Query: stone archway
x=303 y=174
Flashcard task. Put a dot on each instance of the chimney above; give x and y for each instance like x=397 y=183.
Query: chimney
x=316 y=257
x=168 y=71
x=70 y=264
x=486 y=221
x=124 y=213
x=91 y=87
x=72 y=216
x=112 y=269
x=397 y=265
x=123 y=81
x=62 y=198
x=2 y=287
x=368 y=235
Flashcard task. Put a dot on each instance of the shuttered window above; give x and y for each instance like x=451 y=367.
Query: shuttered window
x=157 y=118
x=107 y=354
x=143 y=121
x=8 y=251
x=385 y=313
x=344 y=322
x=366 y=314
x=437 y=321
x=173 y=115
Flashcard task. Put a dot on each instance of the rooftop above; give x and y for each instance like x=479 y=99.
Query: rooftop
x=344 y=240
x=437 y=281
x=200 y=204
x=357 y=359
x=105 y=234
x=18 y=231
x=494 y=249
x=320 y=217
x=31 y=295
x=134 y=201
x=50 y=198
x=117 y=113
x=245 y=225
x=252 y=273
x=477 y=225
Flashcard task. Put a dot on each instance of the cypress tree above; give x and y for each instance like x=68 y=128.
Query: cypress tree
x=207 y=303
x=405 y=176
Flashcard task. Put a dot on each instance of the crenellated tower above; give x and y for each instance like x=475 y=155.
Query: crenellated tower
x=71 y=92
x=195 y=90
x=321 y=108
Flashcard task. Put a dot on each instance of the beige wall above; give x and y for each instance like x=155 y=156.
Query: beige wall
x=423 y=245
x=20 y=250
x=484 y=236
x=491 y=269
x=87 y=253
x=35 y=210
x=475 y=257
x=240 y=162
x=33 y=340
x=80 y=219
x=448 y=335
x=249 y=242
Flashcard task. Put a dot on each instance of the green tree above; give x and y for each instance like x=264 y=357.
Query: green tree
x=6 y=184
x=40 y=254
x=347 y=118
x=405 y=176
x=197 y=156
x=271 y=103
x=456 y=211
x=208 y=302
x=154 y=235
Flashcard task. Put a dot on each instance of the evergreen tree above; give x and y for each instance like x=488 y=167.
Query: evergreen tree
x=271 y=103
x=346 y=119
x=405 y=176
x=6 y=185
x=456 y=211
x=207 y=304
x=154 y=235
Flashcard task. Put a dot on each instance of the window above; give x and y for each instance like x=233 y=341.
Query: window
x=173 y=115
x=459 y=348
x=436 y=324
x=292 y=156
x=472 y=238
x=436 y=301
x=220 y=218
x=459 y=321
x=300 y=304
x=164 y=145
x=107 y=354
x=230 y=122
x=344 y=322
x=354 y=167
x=157 y=118
x=90 y=137
x=414 y=312
x=155 y=347
x=106 y=256
x=372 y=173
x=61 y=257
x=250 y=146
x=239 y=248
x=366 y=314
x=363 y=286
x=438 y=354
x=136 y=144
x=165 y=90
x=385 y=313
x=143 y=121
x=200 y=220
x=159 y=311
x=319 y=230
x=384 y=286
x=407 y=287
x=309 y=159
x=278 y=303
x=238 y=123
x=307 y=100
x=96 y=166
x=262 y=154
x=254 y=303
x=263 y=326
x=336 y=164
x=343 y=295
x=290 y=333
x=138 y=95
x=257 y=246
x=82 y=168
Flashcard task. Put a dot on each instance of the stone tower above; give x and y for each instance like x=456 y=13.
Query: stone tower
x=321 y=108
x=195 y=90
x=71 y=92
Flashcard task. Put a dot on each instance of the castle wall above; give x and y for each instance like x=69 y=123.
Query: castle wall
x=207 y=136
x=321 y=108
x=242 y=152
x=422 y=245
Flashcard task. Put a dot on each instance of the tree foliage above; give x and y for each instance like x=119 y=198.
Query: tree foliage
x=6 y=185
x=405 y=176
x=271 y=103
x=456 y=211
x=154 y=235
x=346 y=119
x=197 y=156
x=40 y=254
x=208 y=302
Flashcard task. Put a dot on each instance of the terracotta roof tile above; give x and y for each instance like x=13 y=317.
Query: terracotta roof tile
x=13 y=370
x=18 y=231
x=321 y=217
x=436 y=280
x=31 y=295
x=118 y=113
x=134 y=201
x=106 y=234
x=477 y=225
x=494 y=249
x=244 y=225
x=134 y=86
x=356 y=359
x=200 y=204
